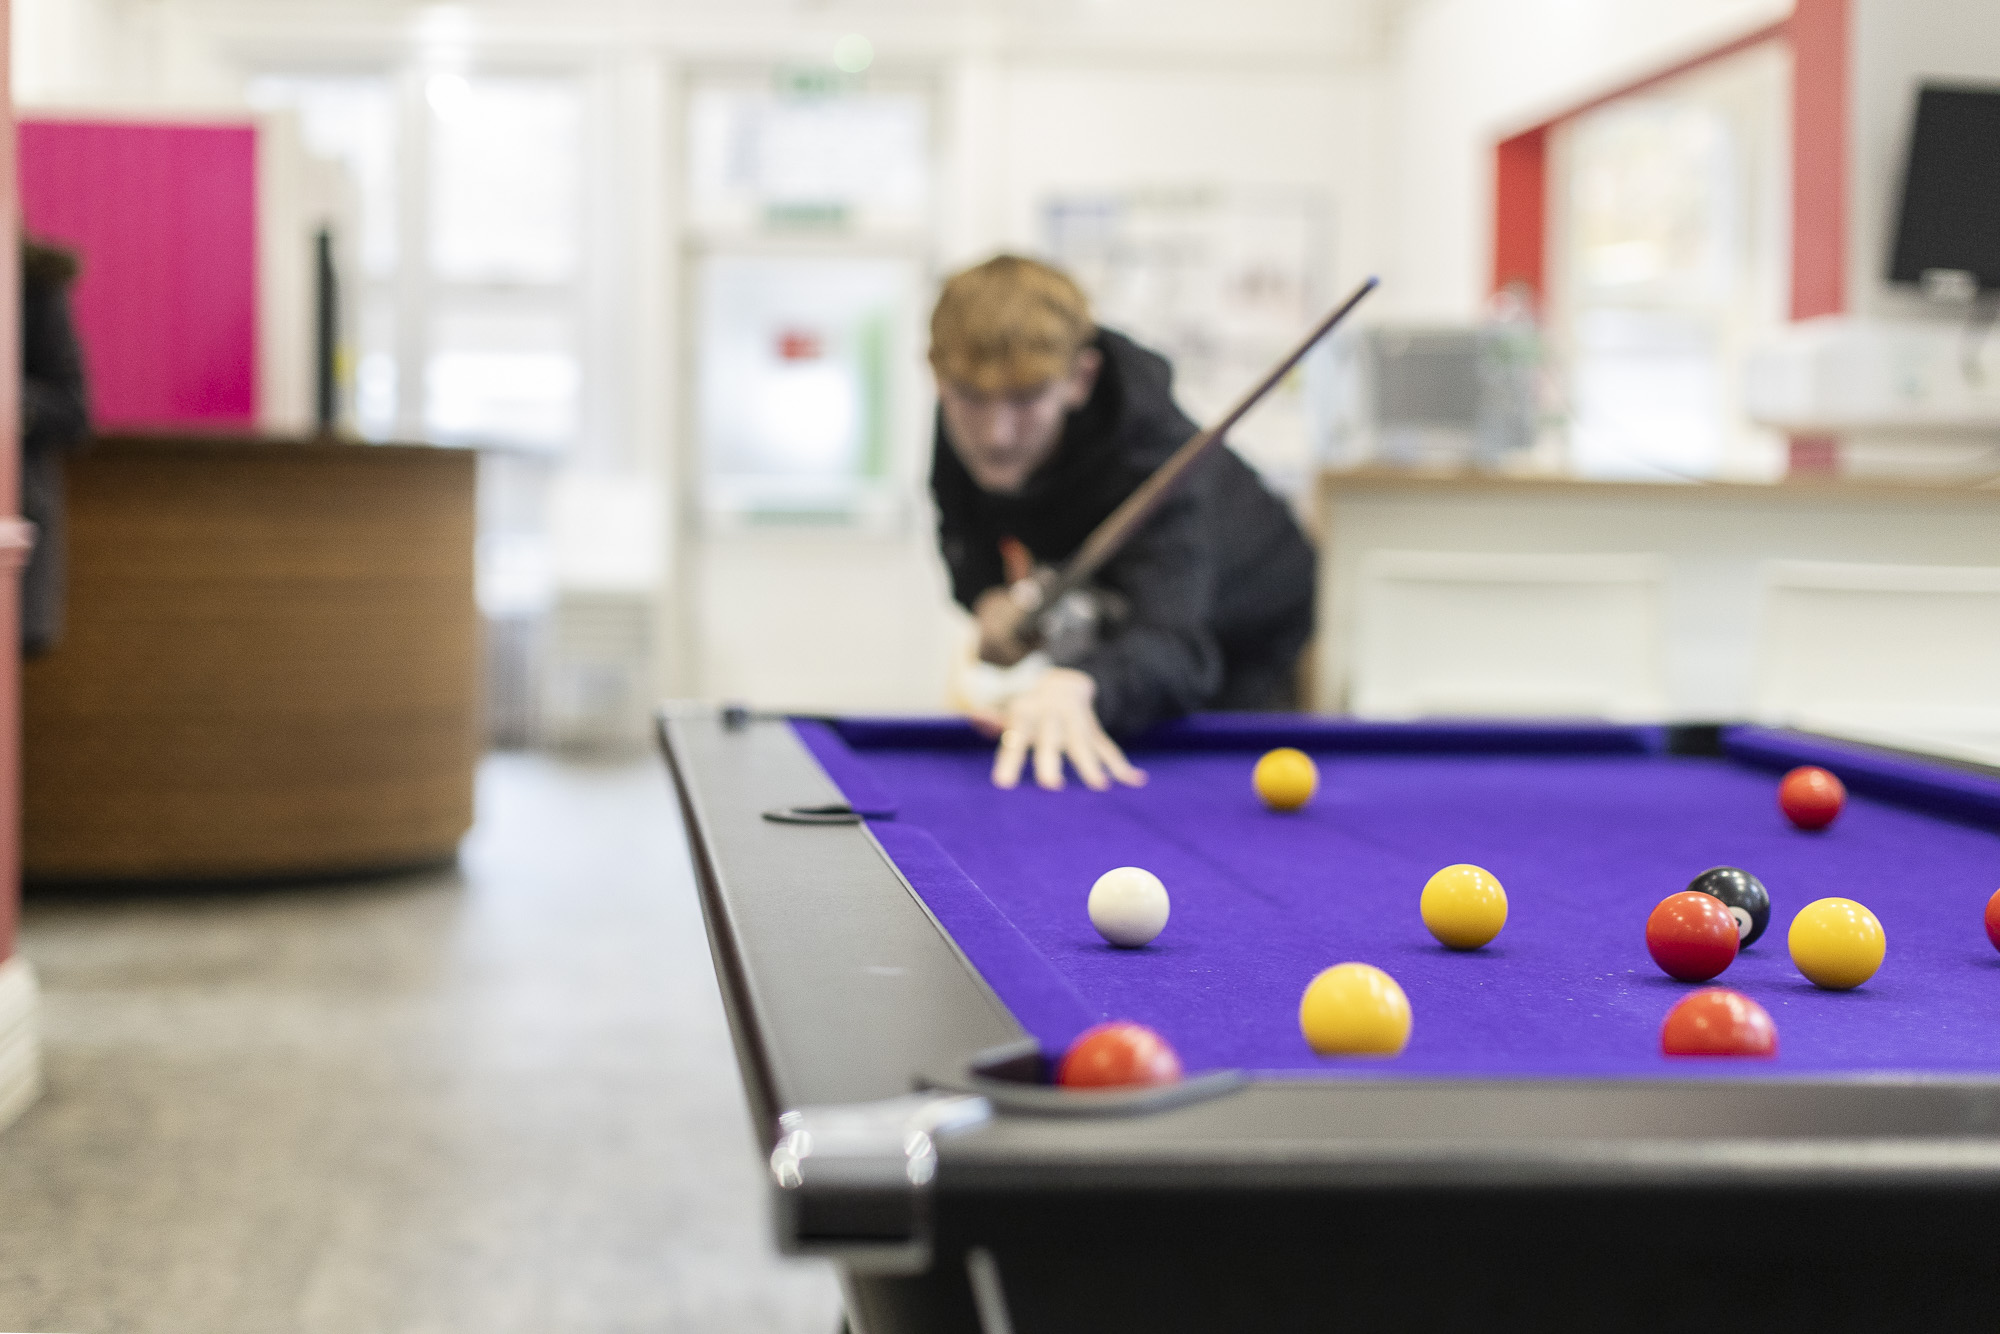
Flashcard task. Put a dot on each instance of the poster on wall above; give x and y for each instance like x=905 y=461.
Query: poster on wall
x=1222 y=284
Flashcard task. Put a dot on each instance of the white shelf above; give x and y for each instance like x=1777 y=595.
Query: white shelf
x=1845 y=375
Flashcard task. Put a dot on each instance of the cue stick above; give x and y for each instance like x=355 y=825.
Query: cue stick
x=1118 y=526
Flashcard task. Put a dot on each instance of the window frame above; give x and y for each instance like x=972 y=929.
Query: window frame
x=416 y=295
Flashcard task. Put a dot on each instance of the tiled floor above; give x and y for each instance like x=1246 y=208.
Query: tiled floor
x=495 y=1099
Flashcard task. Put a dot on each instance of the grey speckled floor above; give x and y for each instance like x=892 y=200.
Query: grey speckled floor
x=497 y=1099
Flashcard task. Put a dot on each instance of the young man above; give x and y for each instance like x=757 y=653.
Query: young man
x=1045 y=423
x=55 y=421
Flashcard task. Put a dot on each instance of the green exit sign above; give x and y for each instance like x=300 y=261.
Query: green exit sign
x=806 y=214
x=813 y=81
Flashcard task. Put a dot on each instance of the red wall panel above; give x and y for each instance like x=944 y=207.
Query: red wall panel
x=1520 y=206
x=1819 y=32
x=165 y=217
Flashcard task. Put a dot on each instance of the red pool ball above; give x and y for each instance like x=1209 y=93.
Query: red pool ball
x=1811 y=797
x=1716 y=1021
x=1692 y=936
x=1120 y=1055
x=1993 y=919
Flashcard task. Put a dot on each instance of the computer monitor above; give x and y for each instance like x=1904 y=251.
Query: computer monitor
x=1950 y=219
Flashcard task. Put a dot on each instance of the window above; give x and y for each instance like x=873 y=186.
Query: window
x=808 y=202
x=471 y=217
x=800 y=362
x=502 y=360
x=506 y=182
x=1672 y=256
x=353 y=119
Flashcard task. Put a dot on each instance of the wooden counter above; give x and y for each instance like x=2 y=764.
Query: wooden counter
x=270 y=666
x=1715 y=538
x=1806 y=490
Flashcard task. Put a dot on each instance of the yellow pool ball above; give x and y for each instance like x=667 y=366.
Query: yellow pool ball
x=1286 y=779
x=1352 y=1009
x=1464 y=906
x=1837 y=943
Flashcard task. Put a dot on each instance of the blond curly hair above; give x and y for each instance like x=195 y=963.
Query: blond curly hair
x=1007 y=325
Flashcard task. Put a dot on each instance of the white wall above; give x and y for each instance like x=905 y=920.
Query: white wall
x=1467 y=73
x=1715 y=540
x=1391 y=107
x=1034 y=95
x=57 y=46
x=1081 y=130
x=119 y=53
x=822 y=621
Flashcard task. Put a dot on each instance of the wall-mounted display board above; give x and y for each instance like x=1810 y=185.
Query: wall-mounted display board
x=1221 y=283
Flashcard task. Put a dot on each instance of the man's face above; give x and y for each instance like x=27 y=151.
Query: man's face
x=1002 y=438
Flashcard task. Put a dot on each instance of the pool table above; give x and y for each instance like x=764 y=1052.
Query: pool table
x=903 y=949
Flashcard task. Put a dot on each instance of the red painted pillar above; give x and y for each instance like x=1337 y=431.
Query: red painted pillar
x=1819 y=32
x=1821 y=39
x=1520 y=208
x=12 y=548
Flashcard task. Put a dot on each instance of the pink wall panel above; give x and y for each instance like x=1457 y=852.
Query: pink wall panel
x=165 y=217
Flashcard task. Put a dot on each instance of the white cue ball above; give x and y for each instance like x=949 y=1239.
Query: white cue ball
x=1128 y=906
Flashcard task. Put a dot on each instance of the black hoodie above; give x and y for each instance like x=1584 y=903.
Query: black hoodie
x=55 y=419
x=1220 y=569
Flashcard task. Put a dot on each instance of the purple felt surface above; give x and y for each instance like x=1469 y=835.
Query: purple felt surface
x=1585 y=843
x=1040 y=997
x=849 y=772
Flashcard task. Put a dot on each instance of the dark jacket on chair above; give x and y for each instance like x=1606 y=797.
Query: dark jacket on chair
x=1219 y=581
x=54 y=420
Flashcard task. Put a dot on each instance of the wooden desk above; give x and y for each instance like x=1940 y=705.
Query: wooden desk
x=270 y=667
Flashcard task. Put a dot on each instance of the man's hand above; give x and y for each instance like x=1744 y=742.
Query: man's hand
x=1000 y=620
x=1056 y=720
x=1002 y=613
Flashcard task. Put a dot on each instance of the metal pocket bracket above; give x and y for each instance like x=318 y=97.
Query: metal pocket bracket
x=853 y=1181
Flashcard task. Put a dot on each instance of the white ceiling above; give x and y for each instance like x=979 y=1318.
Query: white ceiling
x=1341 y=31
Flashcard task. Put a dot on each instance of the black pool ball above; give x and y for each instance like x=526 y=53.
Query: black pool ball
x=1743 y=894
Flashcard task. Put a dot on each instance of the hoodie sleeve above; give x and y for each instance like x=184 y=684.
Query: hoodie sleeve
x=1165 y=662
x=54 y=414
x=973 y=559
x=971 y=553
